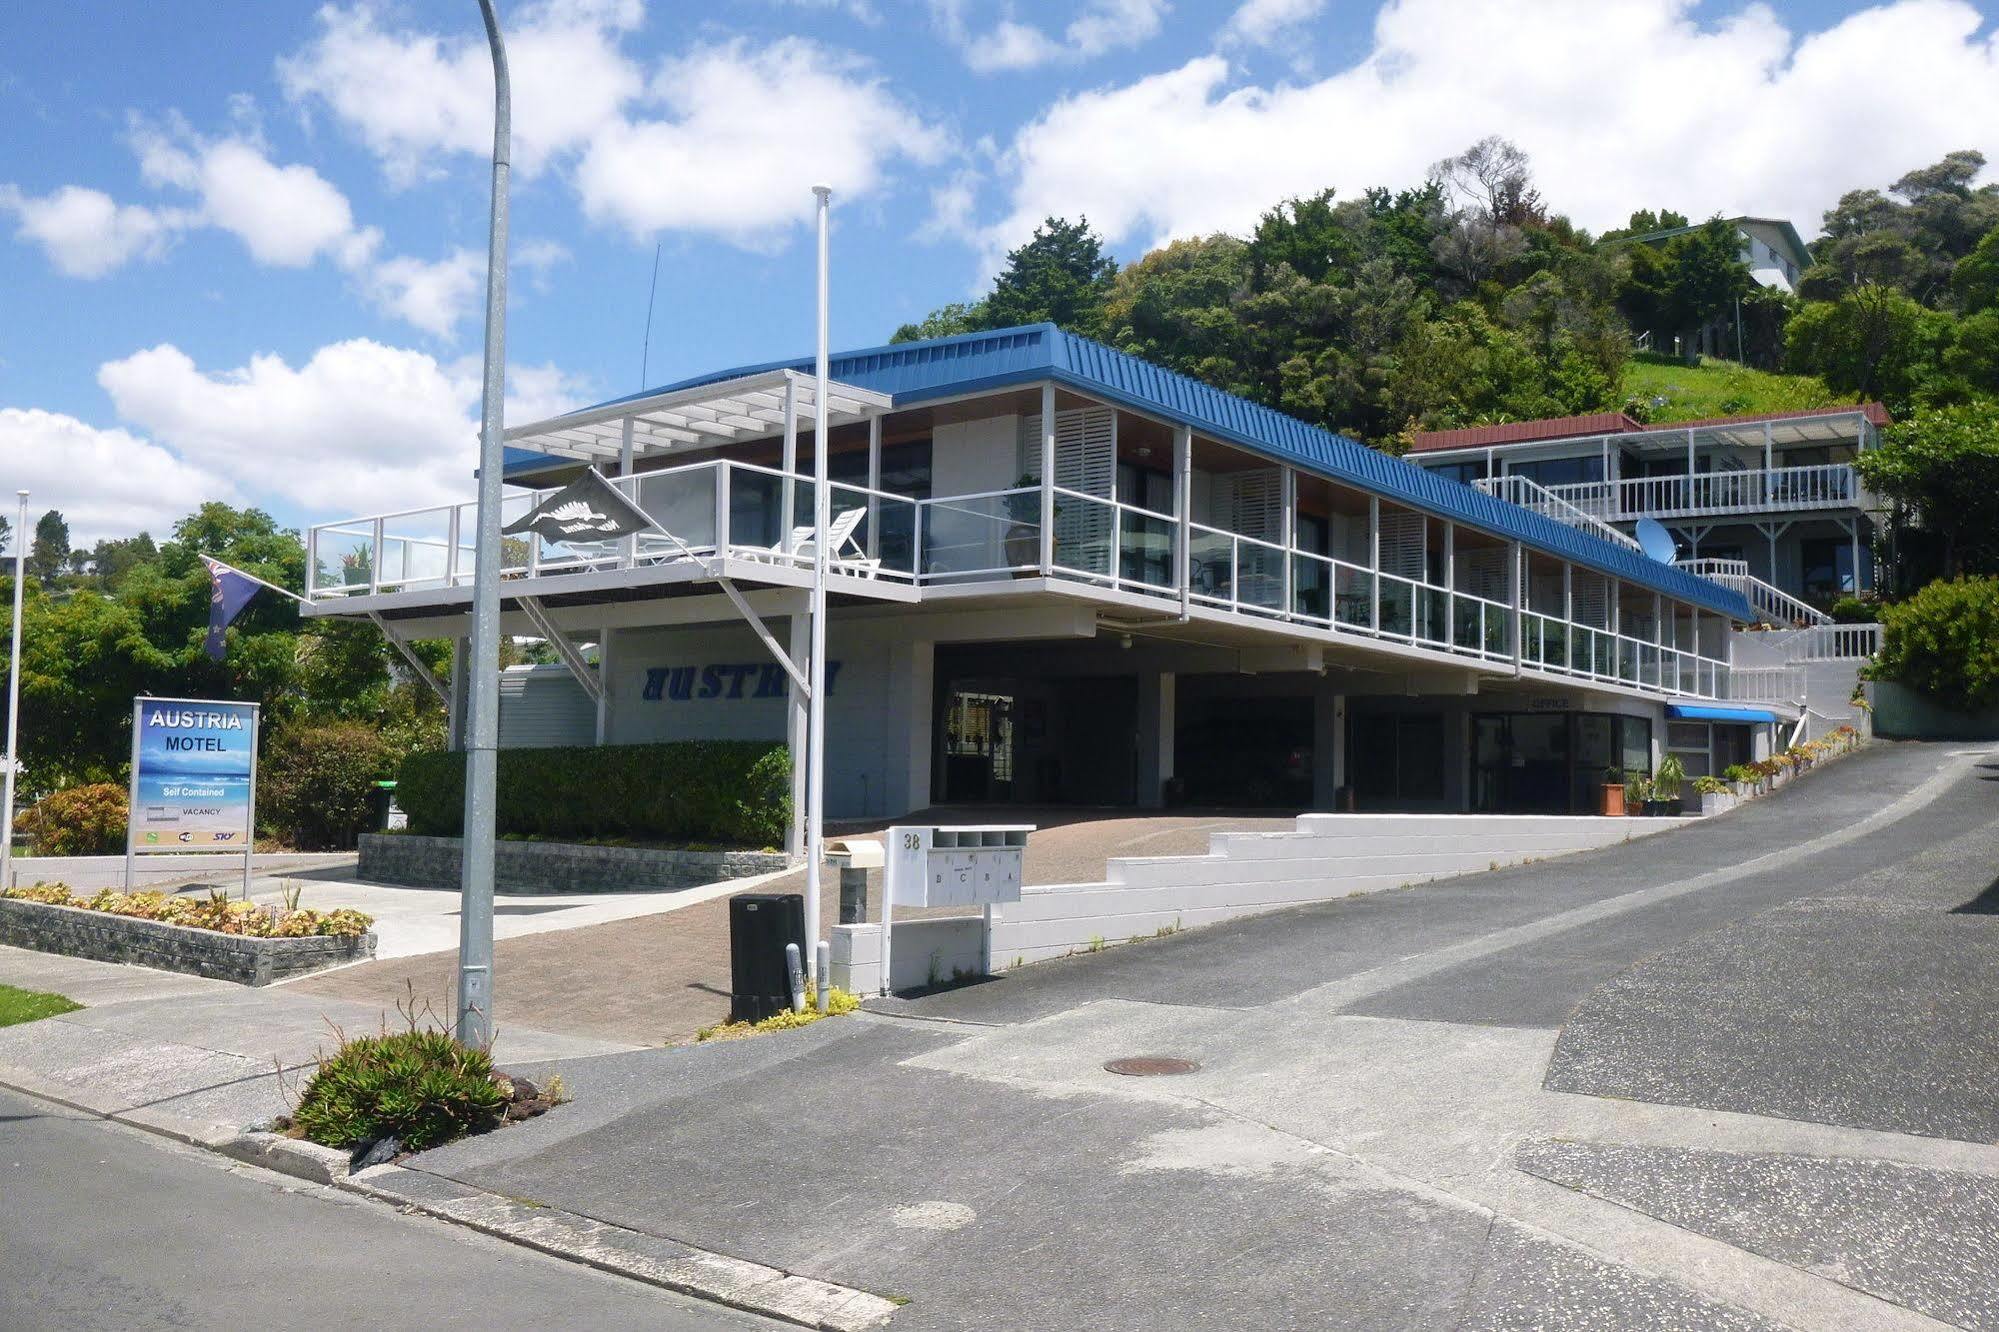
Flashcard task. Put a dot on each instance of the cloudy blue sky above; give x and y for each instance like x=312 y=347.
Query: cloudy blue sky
x=242 y=241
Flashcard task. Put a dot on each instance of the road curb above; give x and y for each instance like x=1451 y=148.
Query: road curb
x=736 y=1282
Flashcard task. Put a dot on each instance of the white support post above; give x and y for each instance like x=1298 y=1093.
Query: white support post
x=1450 y=633
x=1374 y=562
x=874 y=484
x=604 y=685
x=721 y=511
x=410 y=658
x=789 y=502
x=1515 y=580
x=795 y=735
x=822 y=517
x=1853 y=541
x=1288 y=531
x=1183 y=516
x=626 y=458
x=565 y=650
x=1047 y=479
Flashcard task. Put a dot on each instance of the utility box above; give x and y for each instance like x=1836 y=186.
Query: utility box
x=760 y=925
x=959 y=866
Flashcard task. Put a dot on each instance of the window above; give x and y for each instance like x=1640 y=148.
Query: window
x=1463 y=472
x=1828 y=567
x=1560 y=471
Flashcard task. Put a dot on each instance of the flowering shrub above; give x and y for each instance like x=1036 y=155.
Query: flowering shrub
x=210 y=913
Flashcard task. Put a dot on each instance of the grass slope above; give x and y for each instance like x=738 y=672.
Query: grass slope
x=1669 y=390
x=26 y=1005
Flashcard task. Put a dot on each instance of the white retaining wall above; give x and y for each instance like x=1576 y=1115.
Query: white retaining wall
x=927 y=951
x=1328 y=856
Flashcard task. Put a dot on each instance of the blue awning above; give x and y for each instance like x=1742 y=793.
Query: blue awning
x=1707 y=712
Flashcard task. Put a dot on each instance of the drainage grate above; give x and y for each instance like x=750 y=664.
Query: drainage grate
x=1151 y=1066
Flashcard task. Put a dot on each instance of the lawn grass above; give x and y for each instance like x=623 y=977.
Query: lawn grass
x=1669 y=390
x=18 y=1006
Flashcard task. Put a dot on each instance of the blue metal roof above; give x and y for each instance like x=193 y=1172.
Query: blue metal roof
x=914 y=372
x=1708 y=712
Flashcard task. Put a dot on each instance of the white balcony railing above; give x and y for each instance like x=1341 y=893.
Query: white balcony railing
x=1716 y=494
x=732 y=510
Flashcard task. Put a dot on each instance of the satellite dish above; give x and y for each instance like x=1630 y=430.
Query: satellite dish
x=1656 y=541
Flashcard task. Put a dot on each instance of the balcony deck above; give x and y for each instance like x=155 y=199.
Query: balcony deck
x=1746 y=493
x=718 y=520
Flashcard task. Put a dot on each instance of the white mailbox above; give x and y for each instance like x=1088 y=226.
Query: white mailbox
x=946 y=867
x=964 y=866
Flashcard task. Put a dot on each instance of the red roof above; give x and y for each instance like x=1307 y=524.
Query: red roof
x=1606 y=423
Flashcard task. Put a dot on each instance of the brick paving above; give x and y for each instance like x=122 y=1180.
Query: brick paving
x=656 y=980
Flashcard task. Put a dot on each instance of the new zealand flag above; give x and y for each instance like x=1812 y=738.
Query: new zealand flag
x=229 y=591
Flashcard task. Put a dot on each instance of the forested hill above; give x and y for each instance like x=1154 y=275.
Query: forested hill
x=1469 y=299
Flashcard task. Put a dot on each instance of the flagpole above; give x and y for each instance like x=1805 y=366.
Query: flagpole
x=815 y=745
x=474 y=1020
x=14 y=691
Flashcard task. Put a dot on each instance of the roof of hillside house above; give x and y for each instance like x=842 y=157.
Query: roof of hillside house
x=1783 y=224
x=916 y=372
x=1613 y=423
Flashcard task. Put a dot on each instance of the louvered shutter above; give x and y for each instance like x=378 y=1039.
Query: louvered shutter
x=1085 y=463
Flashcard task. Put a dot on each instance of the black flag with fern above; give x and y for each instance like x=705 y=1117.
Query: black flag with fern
x=587 y=509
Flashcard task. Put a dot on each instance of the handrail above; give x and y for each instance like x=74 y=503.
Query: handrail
x=1531 y=495
x=1773 y=603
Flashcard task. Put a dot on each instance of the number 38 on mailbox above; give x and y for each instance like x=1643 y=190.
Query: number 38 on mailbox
x=959 y=866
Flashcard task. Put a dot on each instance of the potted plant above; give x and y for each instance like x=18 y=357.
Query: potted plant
x=1716 y=798
x=1637 y=788
x=1612 y=802
x=1740 y=777
x=1667 y=779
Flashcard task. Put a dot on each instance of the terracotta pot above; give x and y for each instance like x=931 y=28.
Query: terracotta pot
x=1613 y=800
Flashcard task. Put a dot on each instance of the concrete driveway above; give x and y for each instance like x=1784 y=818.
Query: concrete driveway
x=1743 y=1076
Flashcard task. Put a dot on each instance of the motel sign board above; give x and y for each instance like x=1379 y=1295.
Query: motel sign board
x=194 y=775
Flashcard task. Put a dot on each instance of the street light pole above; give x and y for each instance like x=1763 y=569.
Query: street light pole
x=815 y=745
x=474 y=1024
x=14 y=691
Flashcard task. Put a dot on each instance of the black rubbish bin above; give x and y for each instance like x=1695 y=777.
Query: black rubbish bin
x=760 y=925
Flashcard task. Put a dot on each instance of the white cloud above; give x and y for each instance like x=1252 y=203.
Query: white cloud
x=747 y=130
x=1621 y=106
x=414 y=96
x=431 y=296
x=286 y=216
x=358 y=428
x=107 y=483
x=86 y=233
x=1008 y=44
x=723 y=139
x=1263 y=22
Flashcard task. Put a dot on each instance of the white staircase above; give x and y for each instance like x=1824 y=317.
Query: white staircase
x=1774 y=604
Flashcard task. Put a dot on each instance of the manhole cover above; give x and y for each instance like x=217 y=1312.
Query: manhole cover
x=1151 y=1066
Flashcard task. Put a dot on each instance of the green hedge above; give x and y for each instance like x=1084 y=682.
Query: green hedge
x=723 y=792
x=1944 y=642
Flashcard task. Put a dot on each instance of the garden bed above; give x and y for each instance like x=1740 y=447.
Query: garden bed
x=246 y=959
x=417 y=861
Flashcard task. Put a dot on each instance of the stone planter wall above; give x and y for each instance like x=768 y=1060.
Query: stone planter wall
x=103 y=937
x=557 y=867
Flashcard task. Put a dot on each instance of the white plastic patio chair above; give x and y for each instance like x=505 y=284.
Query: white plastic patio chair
x=842 y=549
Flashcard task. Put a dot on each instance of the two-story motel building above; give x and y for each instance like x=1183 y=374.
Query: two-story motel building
x=1061 y=575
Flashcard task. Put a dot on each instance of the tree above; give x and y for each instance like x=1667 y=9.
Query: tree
x=1943 y=464
x=1873 y=342
x=1060 y=276
x=1975 y=281
x=6 y=535
x=1644 y=222
x=49 y=554
x=944 y=322
x=1911 y=241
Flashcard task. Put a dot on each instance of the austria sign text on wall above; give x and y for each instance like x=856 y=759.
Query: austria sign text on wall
x=735 y=680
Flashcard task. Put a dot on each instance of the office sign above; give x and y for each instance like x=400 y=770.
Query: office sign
x=194 y=775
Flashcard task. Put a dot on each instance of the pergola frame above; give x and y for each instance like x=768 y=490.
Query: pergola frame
x=748 y=407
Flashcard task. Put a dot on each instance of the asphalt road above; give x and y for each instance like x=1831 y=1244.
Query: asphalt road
x=1626 y=1088
x=107 y=1227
